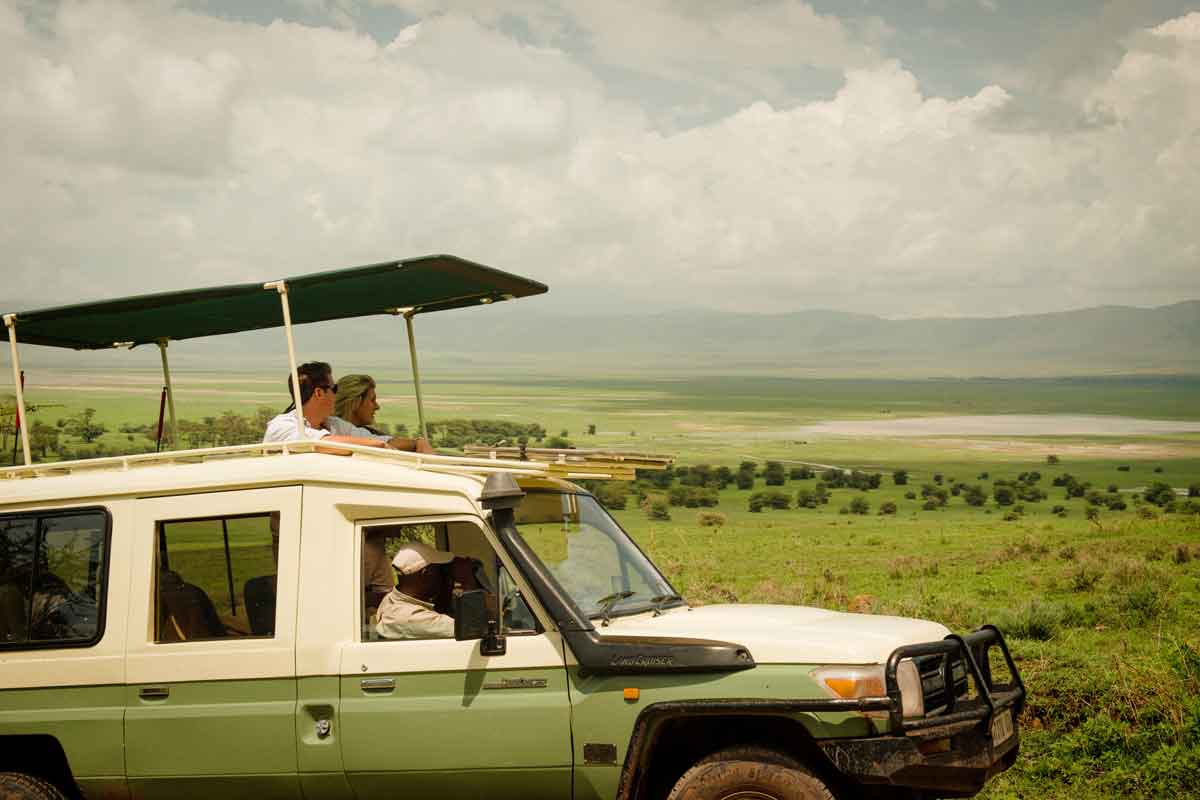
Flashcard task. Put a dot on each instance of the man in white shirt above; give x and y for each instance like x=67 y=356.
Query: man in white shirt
x=317 y=396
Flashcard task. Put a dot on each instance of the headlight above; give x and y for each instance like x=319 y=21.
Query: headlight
x=850 y=683
x=912 y=695
x=853 y=682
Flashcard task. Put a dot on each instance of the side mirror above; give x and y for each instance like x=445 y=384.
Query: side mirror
x=474 y=620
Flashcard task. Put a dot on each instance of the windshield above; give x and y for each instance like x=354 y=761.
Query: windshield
x=589 y=555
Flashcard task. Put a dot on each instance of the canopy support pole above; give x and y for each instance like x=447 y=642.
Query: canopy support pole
x=10 y=322
x=412 y=352
x=162 y=349
x=281 y=287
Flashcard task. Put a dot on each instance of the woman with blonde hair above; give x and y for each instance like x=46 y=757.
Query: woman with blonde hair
x=355 y=406
x=356 y=401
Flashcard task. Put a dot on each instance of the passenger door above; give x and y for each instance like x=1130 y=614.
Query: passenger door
x=434 y=718
x=211 y=680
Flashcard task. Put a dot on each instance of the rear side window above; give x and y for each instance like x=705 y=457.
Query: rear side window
x=216 y=578
x=53 y=577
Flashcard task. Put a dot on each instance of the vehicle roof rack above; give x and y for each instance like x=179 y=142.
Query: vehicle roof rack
x=461 y=465
x=577 y=464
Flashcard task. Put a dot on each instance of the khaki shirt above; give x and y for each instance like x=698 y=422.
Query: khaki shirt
x=404 y=617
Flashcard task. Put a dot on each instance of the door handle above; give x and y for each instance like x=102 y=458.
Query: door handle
x=378 y=684
x=154 y=692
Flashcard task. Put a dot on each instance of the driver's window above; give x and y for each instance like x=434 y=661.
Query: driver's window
x=409 y=574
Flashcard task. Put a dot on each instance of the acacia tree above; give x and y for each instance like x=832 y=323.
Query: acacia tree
x=84 y=426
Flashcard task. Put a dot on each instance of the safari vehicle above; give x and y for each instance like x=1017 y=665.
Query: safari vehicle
x=197 y=623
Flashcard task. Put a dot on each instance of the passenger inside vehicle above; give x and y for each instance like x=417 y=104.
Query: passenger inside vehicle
x=472 y=564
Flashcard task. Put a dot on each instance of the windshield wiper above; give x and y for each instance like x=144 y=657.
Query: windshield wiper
x=660 y=601
x=606 y=604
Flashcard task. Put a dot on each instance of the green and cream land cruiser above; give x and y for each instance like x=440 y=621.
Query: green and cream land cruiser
x=201 y=624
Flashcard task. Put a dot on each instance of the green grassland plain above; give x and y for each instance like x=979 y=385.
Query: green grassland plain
x=1101 y=614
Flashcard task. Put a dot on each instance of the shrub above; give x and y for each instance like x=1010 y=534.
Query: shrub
x=1127 y=572
x=1158 y=469
x=938 y=478
x=933 y=493
x=855 y=479
x=779 y=499
x=612 y=495
x=1194 y=490
x=1183 y=554
x=975 y=495
x=770 y=499
x=930 y=505
x=1004 y=495
x=693 y=496
x=900 y=477
x=1123 y=468
x=656 y=507
x=1113 y=488
x=711 y=519
x=744 y=480
x=1058 y=510
x=887 y=507
x=1092 y=514
x=983 y=476
x=1085 y=577
x=774 y=474
x=910 y=495
x=1036 y=621
x=723 y=477
x=802 y=474
x=1051 y=459
x=1159 y=493
x=1067 y=553
x=806 y=498
x=859 y=505
x=1143 y=602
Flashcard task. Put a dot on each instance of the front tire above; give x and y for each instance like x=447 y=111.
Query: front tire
x=19 y=786
x=749 y=773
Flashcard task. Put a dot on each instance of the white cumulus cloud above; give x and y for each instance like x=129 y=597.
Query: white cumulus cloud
x=147 y=147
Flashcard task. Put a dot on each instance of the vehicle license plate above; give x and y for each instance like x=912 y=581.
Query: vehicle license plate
x=1002 y=727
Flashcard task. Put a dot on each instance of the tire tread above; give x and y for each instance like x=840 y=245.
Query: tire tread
x=23 y=786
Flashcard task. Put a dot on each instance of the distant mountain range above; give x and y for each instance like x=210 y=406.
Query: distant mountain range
x=1089 y=341
x=520 y=337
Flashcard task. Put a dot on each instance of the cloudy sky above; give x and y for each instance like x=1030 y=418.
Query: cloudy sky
x=896 y=157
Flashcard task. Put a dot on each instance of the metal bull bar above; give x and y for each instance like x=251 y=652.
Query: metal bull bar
x=973 y=648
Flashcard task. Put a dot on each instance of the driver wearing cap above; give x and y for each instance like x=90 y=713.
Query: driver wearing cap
x=407 y=612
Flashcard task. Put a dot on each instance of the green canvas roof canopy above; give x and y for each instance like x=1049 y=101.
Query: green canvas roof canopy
x=431 y=283
x=409 y=287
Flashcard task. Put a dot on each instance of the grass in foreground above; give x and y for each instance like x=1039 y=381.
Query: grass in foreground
x=1101 y=616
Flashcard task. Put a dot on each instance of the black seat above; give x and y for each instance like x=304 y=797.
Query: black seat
x=185 y=611
x=260 y=604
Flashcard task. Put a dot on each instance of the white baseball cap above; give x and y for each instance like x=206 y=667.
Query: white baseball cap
x=416 y=556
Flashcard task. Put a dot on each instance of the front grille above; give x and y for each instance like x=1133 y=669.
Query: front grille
x=933 y=684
